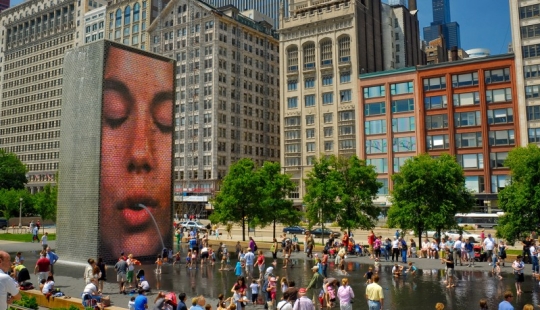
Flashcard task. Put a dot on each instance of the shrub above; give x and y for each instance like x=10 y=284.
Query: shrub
x=27 y=302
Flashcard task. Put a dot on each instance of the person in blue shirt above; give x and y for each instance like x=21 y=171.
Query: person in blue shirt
x=469 y=248
x=141 y=302
x=52 y=258
x=505 y=304
x=397 y=234
x=181 y=302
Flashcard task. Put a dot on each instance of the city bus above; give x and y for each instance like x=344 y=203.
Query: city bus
x=478 y=220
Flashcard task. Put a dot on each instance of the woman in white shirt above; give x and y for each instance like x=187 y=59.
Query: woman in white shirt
x=48 y=287
x=433 y=250
x=425 y=248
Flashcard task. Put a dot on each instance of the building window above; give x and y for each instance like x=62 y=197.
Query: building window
x=328 y=118
x=498 y=182
x=533 y=113
x=375 y=127
x=344 y=49
x=309 y=55
x=328 y=98
x=345 y=116
x=309 y=100
x=292 y=161
x=292 y=59
x=309 y=83
x=378 y=108
x=437 y=142
x=438 y=121
x=398 y=162
x=529 y=11
x=534 y=135
x=497 y=76
x=500 y=116
x=346 y=130
x=345 y=95
x=309 y=161
x=118 y=22
x=310 y=133
x=466 y=119
x=499 y=95
x=531 y=51
x=292 y=134
x=326 y=52
x=310 y=119
x=402 y=88
x=471 y=161
x=404 y=144
x=292 y=85
x=136 y=10
x=403 y=105
x=471 y=139
x=327 y=80
x=292 y=148
x=531 y=71
x=376 y=146
x=374 y=91
x=347 y=144
x=380 y=164
x=127 y=15
x=384 y=189
x=310 y=147
x=501 y=137
x=292 y=121
x=328 y=132
x=532 y=91
x=466 y=79
x=292 y=102
x=466 y=99
x=436 y=83
x=345 y=77
x=328 y=146
x=475 y=184
x=497 y=159
x=403 y=124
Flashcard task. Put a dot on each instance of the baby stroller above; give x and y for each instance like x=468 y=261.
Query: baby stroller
x=478 y=255
x=358 y=250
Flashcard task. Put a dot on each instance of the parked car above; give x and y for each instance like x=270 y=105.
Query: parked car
x=317 y=232
x=3 y=223
x=465 y=234
x=294 y=230
x=188 y=225
x=426 y=234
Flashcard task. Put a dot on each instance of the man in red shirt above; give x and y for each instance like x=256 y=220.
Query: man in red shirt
x=370 y=241
x=42 y=267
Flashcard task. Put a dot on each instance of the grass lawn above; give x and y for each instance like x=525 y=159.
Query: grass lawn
x=22 y=237
x=514 y=252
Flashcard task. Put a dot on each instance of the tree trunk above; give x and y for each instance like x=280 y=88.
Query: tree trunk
x=322 y=227
x=274 y=229
x=243 y=225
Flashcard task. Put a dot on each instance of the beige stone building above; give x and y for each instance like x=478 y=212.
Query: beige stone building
x=227 y=85
x=34 y=36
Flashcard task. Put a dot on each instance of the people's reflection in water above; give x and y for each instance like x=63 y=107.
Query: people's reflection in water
x=192 y=281
x=158 y=281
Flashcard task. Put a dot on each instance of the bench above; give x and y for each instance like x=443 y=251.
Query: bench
x=59 y=302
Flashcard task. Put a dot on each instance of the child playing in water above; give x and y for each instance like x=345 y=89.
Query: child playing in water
x=497 y=270
x=228 y=266
x=176 y=258
x=223 y=261
x=412 y=269
x=254 y=290
x=194 y=259
x=238 y=269
x=159 y=262
x=284 y=285
x=188 y=259
x=368 y=275
x=377 y=265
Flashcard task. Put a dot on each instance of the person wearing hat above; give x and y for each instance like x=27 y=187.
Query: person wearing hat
x=303 y=302
x=316 y=282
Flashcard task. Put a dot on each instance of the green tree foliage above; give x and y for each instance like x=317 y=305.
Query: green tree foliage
x=10 y=201
x=12 y=171
x=45 y=202
x=275 y=187
x=322 y=191
x=520 y=200
x=427 y=194
x=238 y=196
x=358 y=187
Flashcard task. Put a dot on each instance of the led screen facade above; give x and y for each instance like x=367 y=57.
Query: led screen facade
x=115 y=182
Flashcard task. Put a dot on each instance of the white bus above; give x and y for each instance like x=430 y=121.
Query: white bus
x=478 y=220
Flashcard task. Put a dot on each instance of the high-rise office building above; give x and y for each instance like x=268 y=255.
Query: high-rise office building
x=35 y=35
x=227 y=104
x=442 y=25
x=269 y=8
x=525 y=17
x=4 y=5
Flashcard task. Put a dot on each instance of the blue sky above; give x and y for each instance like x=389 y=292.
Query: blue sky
x=483 y=23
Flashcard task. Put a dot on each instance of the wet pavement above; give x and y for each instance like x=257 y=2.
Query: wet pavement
x=421 y=291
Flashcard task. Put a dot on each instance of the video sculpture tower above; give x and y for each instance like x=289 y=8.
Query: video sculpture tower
x=115 y=170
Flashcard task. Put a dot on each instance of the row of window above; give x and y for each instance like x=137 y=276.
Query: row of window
x=344 y=116
x=127 y=14
x=395 y=89
x=344 y=77
x=327 y=98
x=467 y=119
x=468 y=79
x=325 y=47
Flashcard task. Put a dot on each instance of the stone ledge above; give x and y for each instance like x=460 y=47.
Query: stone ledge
x=59 y=302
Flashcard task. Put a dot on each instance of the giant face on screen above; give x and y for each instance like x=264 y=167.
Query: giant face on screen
x=136 y=153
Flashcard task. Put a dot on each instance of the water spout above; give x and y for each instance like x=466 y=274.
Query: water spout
x=140 y=205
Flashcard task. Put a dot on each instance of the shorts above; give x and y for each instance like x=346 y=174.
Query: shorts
x=450 y=272
x=130 y=276
x=471 y=255
x=286 y=255
x=489 y=253
x=204 y=255
x=273 y=295
x=121 y=277
x=249 y=268
x=519 y=277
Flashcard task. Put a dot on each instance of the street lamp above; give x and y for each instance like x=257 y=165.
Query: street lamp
x=20 y=212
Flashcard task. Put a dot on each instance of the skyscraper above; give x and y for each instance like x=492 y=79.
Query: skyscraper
x=4 y=4
x=442 y=25
x=267 y=7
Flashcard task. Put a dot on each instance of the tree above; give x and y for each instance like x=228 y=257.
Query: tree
x=10 y=202
x=428 y=192
x=238 y=195
x=275 y=187
x=322 y=191
x=12 y=171
x=358 y=188
x=45 y=202
x=520 y=200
